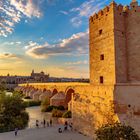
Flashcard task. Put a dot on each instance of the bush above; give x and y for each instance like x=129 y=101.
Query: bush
x=61 y=108
x=27 y=97
x=2 y=86
x=67 y=114
x=51 y=107
x=57 y=113
x=32 y=103
x=116 y=131
x=44 y=105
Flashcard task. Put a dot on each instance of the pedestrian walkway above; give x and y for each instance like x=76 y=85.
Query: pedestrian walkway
x=49 y=133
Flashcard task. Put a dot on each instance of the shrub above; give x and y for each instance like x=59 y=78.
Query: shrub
x=51 y=107
x=61 y=107
x=27 y=97
x=116 y=131
x=44 y=105
x=67 y=114
x=2 y=86
x=57 y=113
x=32 y=103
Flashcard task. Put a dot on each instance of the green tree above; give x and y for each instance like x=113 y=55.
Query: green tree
x=45 y=103
x=2 y=86
x=12 y=112
x=67 y=114
x=116 y=131
x=57 y=113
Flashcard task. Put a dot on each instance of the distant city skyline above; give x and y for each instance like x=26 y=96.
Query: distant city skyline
x=48 y=35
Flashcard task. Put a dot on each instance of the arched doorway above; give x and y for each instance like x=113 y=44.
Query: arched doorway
x=54 y=92
x=69 y=93
x=44 y=89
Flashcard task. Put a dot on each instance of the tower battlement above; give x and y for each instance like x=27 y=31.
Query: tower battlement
x=132 y=8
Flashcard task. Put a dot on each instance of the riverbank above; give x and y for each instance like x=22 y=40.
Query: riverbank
x=49 y=133
x=36 y=114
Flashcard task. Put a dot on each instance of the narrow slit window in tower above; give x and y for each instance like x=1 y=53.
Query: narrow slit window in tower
x=101 y=79
x=100 y=32
x=102 y=57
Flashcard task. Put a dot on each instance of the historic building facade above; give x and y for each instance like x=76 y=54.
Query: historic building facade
x=114 y=89
x=39 y=77
x=114 y=44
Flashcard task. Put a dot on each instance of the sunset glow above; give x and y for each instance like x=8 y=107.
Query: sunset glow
x=48 y=35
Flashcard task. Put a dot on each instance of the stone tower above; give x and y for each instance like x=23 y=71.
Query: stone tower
x=115 y=45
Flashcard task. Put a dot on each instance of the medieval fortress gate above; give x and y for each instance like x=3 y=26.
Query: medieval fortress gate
x=114 y=71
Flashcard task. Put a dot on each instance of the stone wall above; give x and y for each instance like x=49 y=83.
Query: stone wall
x=114 y=33
x=89 y=105
x=120 y=44
x=133 y=42
x=102 y=45
x=127 y=99
x=56 y=86
x=99 y=105
x=93 y=106
x=127 y=46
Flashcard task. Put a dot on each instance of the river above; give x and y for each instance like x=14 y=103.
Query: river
x=36 y=114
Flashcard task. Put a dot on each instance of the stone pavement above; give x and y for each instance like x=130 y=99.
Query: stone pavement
x=49 y=133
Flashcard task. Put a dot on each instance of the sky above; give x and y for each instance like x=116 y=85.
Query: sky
x=47 y=35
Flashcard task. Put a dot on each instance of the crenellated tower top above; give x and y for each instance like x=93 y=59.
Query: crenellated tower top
x=134 y=0
x=134 y=3
x=113 y=5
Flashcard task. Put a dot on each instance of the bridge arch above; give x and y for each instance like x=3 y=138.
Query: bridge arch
x=44 y=89
x=55 y=91
x=69 y=93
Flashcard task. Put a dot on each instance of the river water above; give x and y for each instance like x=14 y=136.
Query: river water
x=36 y=114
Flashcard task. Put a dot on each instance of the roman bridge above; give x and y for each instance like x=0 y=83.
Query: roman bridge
x=58 y=93
x=87 y=102
x=91 y=105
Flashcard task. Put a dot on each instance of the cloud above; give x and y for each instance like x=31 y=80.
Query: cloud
x=12 y=43
x=31 y=44
x=85 y=10
x=13 y=10
x=63 y=12
x=5 y=69
x=52 y=2
x=18 y=42
x=76 y=21
x=69 y=71
x=27 y=7
x=9 y=59
x=77 y=44
x=8 y=56
x=77 y=63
